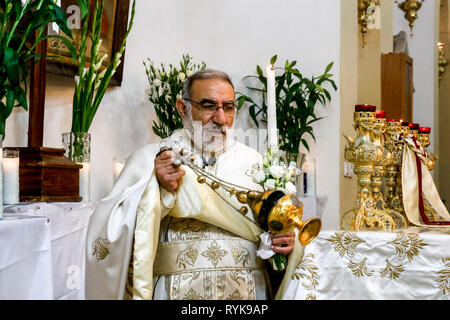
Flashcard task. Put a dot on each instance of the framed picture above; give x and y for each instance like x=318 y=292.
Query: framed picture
x=114 y=26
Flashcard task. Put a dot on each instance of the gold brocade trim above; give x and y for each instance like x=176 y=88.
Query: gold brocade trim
x=205 y=254
x=444 y=277
x=406 y=248
x=309 y=271
x=100 y=249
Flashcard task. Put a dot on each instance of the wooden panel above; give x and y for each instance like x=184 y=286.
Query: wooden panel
x=46 y=175
x=397 y=86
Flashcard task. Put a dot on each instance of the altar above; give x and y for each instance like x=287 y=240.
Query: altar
x=411 y=264
x=43 y=250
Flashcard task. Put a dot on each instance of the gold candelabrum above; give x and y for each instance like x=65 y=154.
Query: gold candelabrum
x=379 y=138
x=273 y=210
x=364 y=14
x=410 y=8
x=392 y=143
x=377 y=153
x=366 y=152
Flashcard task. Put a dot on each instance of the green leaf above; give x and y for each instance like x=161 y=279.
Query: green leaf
x=12 y=66
x=273 y=60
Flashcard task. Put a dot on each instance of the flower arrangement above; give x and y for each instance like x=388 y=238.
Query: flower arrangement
x=93 y=80
x=274 y=174
x=22 y=26
x=296 y=98
x=165 y=89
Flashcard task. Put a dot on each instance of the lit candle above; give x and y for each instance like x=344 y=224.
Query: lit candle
x=85 y=181
x=10 y=168
x=117 y=167
x=272 y=141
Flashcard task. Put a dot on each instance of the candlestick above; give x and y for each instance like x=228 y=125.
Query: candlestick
x=117 y=167
x=272 y=141
x=10 y=168
x=85 y=181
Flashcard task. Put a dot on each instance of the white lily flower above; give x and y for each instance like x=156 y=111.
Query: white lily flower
x=292 y=164
x=77 y=80
x=189 y=72
x=276 y=171
x=269 y=184
x=259 y=176
x=181 y=76
x=290 y=187
x=156 y=82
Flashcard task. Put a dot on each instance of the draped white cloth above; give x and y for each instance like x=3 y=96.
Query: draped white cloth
x=68 y=223
x=410 y=264
x=25 y=258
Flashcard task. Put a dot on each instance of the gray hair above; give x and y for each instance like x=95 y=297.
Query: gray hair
x=203 y=74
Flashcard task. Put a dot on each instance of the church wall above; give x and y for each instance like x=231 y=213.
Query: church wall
x=444 y=113
x=231 y=35
x=348 y=95
x=423 y=50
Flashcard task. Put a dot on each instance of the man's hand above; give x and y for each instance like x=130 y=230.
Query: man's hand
x=166 y=172
x=283 y=243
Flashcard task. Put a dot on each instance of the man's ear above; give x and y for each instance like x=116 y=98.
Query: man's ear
x=181 y=108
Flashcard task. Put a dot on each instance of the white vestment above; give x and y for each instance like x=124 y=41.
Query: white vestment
x=210 y=245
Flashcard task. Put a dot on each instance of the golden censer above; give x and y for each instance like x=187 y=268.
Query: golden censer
x=273 y=210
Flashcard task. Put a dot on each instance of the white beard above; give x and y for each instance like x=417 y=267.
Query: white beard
x=208 y=138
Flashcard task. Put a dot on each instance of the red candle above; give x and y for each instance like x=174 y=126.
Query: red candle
x=380 y=114
x=424 y=130
x=365 y=107
x=414 y=126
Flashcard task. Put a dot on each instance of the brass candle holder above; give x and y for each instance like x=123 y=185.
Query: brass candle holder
x=378 y=138
x=365 y=154
x=393 y=143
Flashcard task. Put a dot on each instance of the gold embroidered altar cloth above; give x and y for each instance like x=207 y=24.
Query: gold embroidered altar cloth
x=339 y=265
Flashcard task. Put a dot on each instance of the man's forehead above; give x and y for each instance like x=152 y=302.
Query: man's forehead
x=214 y=86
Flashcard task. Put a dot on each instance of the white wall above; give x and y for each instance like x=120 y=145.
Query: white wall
x=233 y=36
x=422 y=48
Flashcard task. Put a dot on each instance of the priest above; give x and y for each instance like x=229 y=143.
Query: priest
x=160 y=234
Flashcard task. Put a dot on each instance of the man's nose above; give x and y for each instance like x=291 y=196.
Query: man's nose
x=219 y=117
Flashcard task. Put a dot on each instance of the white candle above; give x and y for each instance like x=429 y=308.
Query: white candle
x=10 y=168
x=85 y=181
x=117 y=167
x=272 y=141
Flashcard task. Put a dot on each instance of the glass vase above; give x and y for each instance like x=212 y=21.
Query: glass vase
x=78 y=149
x=299 y=159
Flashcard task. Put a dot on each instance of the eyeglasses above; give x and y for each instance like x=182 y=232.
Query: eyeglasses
x=209 y=107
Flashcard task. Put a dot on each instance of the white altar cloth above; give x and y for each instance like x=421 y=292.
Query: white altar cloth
x=25 y=258
x=405 y=265
x=68 y=222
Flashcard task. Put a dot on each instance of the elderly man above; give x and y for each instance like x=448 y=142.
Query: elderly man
x=161 y=235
